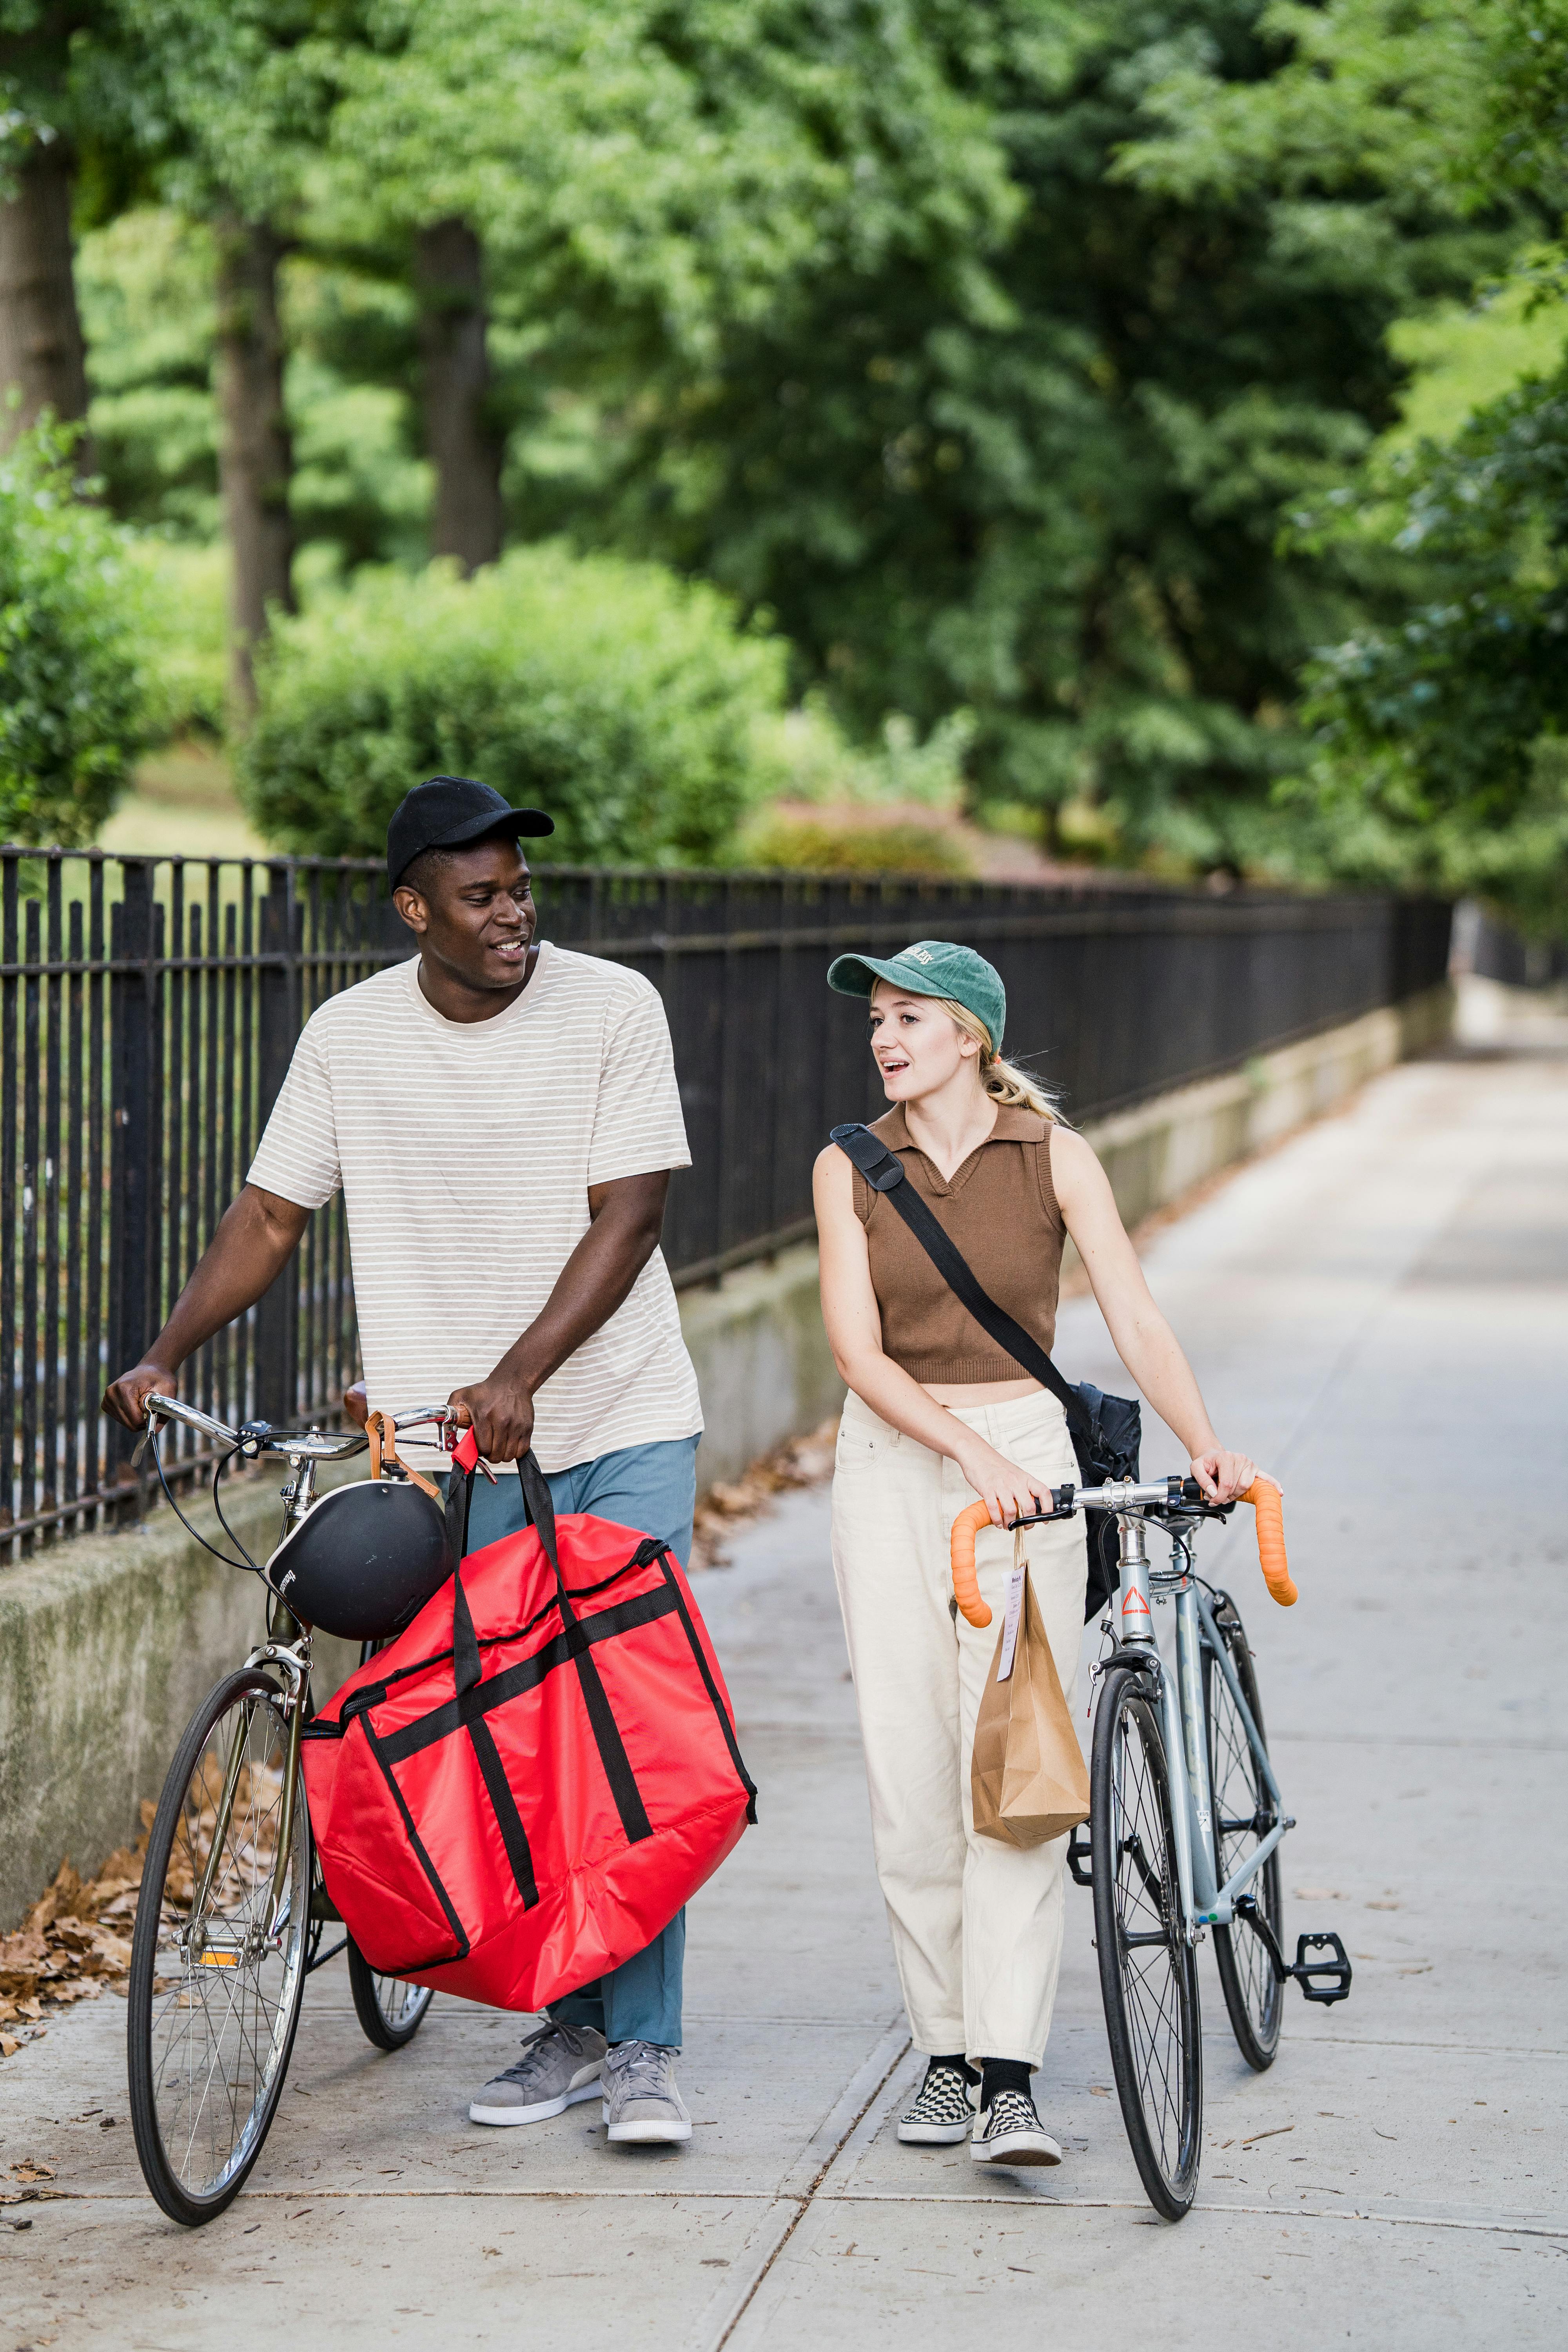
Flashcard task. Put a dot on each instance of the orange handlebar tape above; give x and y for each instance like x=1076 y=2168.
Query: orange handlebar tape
x=1268 y=1503
x=965 y=1584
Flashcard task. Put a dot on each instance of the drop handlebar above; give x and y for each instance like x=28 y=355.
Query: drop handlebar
x=1163 y=1495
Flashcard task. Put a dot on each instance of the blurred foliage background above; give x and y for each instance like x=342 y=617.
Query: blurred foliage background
x=838 y=432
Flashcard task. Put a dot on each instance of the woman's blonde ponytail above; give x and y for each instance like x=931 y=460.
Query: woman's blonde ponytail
x=1002 y=1081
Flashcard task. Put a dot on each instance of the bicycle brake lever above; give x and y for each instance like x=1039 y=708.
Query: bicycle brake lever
x=142 y=1442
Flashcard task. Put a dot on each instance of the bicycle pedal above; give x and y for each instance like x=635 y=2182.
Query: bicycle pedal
x=1336 y=1972
x=1078 y=1856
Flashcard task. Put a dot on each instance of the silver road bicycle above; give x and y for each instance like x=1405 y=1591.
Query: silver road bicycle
x=233 y=1915
x=1186 y=1823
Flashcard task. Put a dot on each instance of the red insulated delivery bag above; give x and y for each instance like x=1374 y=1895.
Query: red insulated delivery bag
x=529 y=1783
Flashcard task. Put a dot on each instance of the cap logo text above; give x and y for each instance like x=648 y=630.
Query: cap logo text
x=917 y=955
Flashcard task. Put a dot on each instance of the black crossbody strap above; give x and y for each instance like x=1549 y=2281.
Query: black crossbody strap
x=884 y=1171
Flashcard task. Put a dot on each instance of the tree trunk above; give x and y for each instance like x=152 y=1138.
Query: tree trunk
x=255 y=457
x=462 y=442
x=41 y=347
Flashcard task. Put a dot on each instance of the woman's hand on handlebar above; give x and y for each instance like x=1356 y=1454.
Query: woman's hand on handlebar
x=1011 y=1493
x=1223 y=1476
x=125 y=1399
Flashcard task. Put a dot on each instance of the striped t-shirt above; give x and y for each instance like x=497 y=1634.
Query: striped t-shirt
x=465 y=1150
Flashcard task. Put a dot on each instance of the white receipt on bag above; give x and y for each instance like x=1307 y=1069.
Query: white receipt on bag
x=1010 y=1624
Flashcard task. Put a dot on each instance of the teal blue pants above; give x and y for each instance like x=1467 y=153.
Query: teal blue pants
x=654 y=1488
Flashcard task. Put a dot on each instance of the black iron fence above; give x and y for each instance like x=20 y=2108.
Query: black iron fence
x=149 y=1008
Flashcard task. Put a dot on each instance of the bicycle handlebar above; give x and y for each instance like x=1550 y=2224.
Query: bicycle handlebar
x=1166 y=1494
x=316 y=1445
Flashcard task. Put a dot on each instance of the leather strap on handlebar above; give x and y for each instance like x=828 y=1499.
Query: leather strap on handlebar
x=383 y=1451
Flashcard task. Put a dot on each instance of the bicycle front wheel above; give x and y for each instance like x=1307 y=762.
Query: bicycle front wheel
x=1244 y=1813
x=390 y=2011
x=1148 y=1969
x=218 y=1965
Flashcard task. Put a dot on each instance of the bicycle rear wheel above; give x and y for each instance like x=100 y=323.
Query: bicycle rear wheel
x=390 y=2011
x=1148 y=1969
x=1244 y=1813
x=217 y=1970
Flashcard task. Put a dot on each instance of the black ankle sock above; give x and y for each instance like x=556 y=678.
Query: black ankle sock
x=960 y=2065
x=1003 y=2074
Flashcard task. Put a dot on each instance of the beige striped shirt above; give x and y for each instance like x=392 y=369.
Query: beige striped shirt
x=465 y=1151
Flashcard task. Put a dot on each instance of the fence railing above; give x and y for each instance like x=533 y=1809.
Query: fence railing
x=149 y=1008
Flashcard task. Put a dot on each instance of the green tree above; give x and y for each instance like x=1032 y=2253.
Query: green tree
x=599 y=192
x=1029 y=452
x=1441 y=724
x=66 y=147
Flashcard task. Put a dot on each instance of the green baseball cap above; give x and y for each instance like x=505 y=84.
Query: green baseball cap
x=930 y=967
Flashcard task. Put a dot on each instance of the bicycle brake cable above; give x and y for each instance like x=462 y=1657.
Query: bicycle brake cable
x=170 y=1498
x=219 y=1467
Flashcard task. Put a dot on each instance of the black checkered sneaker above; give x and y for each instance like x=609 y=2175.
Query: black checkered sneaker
x=943 y=2112
x=1010 y=2132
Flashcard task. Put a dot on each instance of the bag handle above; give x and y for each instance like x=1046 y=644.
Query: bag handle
x=884 y=1171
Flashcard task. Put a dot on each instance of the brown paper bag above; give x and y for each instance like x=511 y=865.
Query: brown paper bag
x=1027 y=1777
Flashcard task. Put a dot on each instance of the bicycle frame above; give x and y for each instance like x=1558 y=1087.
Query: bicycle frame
x=1185 y=1723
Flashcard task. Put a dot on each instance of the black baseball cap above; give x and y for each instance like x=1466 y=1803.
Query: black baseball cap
x=448 y=813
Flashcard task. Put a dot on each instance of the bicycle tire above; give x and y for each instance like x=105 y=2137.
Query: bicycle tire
x=389 y=2022
x=1254 y=1996
x=165 y=2094
x=1157 y=2067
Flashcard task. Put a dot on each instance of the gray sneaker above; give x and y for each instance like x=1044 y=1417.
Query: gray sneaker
x=560 y=2064
x=641 y=2101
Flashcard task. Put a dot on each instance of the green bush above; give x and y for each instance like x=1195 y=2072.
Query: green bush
x=72 y=699
x=806 y=844
x=622 y=700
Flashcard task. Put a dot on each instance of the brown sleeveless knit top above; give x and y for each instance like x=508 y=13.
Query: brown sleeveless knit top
x=1001 y=1209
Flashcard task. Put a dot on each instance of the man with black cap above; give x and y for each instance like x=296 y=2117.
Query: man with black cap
x=502 y=1116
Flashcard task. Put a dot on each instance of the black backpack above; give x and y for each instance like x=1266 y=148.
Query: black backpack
x=1106 y=1431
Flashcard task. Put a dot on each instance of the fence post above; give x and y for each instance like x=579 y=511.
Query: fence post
x=136 y=1168
x=278 y=1027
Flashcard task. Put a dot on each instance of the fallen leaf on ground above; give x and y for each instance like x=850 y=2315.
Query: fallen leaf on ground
x=29 y=2170
x=798 y=1462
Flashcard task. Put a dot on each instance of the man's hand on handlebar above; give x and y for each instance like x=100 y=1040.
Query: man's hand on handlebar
x=125 y=1399
x=1223 y=1476
x=502 y=1411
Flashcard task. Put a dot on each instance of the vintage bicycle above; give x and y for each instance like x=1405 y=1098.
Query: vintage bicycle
x=233 y=1915
x=1186 y=1823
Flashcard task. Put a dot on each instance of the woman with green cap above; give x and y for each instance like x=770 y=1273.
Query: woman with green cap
x=937 y=1415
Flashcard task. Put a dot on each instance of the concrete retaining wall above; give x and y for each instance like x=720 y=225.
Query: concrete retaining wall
x=1155 y=1151
x=106 y=1644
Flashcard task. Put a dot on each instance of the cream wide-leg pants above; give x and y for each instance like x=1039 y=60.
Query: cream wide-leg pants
x=977 y=1924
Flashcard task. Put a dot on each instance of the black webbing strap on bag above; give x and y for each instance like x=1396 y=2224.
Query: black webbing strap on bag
x=464 y=1640
x=1106 y=1431
x=539 y=1504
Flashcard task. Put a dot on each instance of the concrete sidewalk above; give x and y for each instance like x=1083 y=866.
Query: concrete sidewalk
x=1377 y=1311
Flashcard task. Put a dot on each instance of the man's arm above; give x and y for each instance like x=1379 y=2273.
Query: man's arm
x=627 y=1218
x=255 y=1240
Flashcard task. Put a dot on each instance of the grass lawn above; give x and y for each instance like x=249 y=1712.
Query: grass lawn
x=182 y=804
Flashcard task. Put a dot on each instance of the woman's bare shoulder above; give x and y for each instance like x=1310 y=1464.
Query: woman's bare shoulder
x=1076 y=1175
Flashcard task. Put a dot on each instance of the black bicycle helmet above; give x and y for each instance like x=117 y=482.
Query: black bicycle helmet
x=364 y=1560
